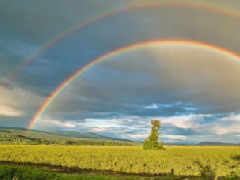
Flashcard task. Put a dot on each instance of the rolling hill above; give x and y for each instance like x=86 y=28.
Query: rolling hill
x=88 y=135
x=14 y=134
x=216 y=144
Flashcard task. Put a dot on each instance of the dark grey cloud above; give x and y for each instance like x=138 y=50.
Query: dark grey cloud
x=101 y=36
x=180 y=131
x=11 y=121
x=7 y=85
x=35 y=22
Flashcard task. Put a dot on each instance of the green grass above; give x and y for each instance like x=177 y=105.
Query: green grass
x=8 y=172
x=127 y=161
x=22 y=173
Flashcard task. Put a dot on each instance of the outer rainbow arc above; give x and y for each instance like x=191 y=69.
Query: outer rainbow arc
x=63 y=34
x=59 y=89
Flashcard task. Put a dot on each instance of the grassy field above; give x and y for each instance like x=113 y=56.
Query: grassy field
x=186 y=161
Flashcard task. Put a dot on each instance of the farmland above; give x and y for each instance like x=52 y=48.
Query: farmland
x=185 y=161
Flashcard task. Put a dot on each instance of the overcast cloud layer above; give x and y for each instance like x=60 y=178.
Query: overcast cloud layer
x=193 y=91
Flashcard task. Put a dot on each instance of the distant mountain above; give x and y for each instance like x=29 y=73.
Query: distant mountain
x=58 y=134
x=16 y=128
x=74 y=134
x=120 y=139
x=77 y=134
x=216 y=144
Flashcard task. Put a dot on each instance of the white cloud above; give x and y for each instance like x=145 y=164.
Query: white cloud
x=99 y=129
x=48 y=122
x=153 y=106
x=20 y=98
x=175 y=137
x=188 y=121
x=221 y=129
x=232 y=118
x=139 y=136
x=190 y=109
x=57 y=123
x=10 y=111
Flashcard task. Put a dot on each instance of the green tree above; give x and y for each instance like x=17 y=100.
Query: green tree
x=69 y=142
x=38 y=141
x=152 y=141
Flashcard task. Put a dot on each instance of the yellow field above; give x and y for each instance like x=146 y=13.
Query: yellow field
x=184 y=160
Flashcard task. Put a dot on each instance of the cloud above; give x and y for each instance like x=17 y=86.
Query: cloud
x=198 y=83
x=139 y=136
x=153 y=106
x=175 y=137
x=7 y=85
x=232 y=117
x=9 y=111
x=56 y=124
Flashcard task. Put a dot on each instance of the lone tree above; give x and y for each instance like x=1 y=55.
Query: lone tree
x=152 y=141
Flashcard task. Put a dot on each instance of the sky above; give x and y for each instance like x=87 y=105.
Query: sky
x=192 y=90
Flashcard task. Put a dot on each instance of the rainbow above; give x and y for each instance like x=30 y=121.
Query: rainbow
x=117 y=52
x=97 y=17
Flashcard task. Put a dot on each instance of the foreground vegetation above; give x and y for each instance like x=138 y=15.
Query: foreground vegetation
x=185 y=161
x=26 y=173
x=22 y=173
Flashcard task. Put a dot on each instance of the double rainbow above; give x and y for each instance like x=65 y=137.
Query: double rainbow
x=117 y=52
x=95 y=18
x=105 y=14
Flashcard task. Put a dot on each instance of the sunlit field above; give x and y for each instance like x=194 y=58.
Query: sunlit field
x=194 y=161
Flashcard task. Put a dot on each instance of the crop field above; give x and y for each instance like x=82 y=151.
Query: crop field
x=194 y=161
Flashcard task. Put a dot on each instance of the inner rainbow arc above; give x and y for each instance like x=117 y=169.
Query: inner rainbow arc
x=117 y=52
